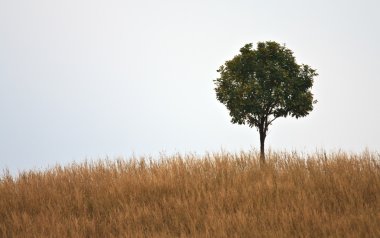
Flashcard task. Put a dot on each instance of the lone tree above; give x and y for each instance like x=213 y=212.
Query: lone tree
x=260 y=85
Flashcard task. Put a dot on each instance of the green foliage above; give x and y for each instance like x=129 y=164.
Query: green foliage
x=259 y=85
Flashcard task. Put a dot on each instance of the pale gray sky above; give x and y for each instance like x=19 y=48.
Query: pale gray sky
x=95 y=78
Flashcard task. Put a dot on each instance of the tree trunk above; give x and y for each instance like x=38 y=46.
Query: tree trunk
x=262 y=148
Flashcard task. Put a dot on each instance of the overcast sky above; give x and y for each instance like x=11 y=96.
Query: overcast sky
x=95 y=78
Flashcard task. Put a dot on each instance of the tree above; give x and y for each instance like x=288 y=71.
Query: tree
x=260 y=85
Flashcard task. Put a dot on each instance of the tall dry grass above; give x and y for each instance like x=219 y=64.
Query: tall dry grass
x=218 y=195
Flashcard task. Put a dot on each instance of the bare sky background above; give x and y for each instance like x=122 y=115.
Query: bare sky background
x=89 y=79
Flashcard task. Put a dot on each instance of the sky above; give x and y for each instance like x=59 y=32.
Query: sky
x=95 y=79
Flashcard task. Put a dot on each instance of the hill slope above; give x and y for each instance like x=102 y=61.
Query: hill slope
x=218 y=195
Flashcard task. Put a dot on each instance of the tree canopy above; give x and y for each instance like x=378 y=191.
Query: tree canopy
x=260 y=85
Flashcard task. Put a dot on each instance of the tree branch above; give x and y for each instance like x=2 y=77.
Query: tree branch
x=270 y=122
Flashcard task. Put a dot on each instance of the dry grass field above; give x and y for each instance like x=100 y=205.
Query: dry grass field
x=217 y=195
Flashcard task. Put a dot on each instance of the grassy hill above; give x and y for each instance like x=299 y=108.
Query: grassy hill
x=218 y=195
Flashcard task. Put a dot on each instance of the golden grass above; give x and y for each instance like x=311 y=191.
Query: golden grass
x=217 y=195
